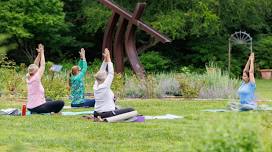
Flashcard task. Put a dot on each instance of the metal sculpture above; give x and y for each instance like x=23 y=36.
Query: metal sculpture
x=239 y=38
x=124 y=37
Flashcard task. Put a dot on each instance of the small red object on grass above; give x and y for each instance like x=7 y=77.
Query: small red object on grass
x=24 y=109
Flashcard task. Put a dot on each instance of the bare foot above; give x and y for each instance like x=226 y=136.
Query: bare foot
x=53 y=113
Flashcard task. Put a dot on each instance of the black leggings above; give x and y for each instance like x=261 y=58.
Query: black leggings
x=112 y=113
x=48 y=107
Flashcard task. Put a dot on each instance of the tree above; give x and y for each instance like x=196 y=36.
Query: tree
x=5 y=46
x=199 y=28
x=251 y=16
x=34 y=21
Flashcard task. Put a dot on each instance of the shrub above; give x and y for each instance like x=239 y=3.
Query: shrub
x=55 y=87
x=95 y=66
x=68 y=64
x=134 y=87
x=89 y=82
x=11 y=77
x=48 y=65
x=218 y=85
x=185 y=70
x=154 y=62
x=209 y=85
x=118 y=85
x=190 y=84
x=6 y=63
x=264 y=52
x=167 y=85
x=12 y=82
x=231 y=137
x=244 y=141
x=151 y=85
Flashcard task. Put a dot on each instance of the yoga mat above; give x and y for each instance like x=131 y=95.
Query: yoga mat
x=9 y=111
x=167 y=116
x=132 y=119
x=17 y=112
x=140 y=119
x=226 y=110
x=69 y=107
x=122 y=117
x=265 y=109
x=65 y=113
x=77 y=113
x=216 y=110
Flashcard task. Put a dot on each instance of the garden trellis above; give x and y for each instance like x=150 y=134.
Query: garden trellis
x=239 y=38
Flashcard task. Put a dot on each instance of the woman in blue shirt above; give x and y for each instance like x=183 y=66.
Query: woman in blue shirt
x=248 y=87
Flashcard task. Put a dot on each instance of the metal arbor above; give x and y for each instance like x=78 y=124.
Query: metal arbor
x=239 y=38
x=126 y=24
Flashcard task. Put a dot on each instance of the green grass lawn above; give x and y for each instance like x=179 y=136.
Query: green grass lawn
x=264 y=89
x=197 y=131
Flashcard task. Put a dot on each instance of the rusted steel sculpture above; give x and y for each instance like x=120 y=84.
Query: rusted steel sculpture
x=125 y=35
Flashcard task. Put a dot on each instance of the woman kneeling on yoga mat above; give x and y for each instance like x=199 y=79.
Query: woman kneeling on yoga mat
x=248 y=87
x=35 y=95
x=76 y=83
x=104 y=97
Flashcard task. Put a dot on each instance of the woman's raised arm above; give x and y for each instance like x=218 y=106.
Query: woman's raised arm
x=42 y=62
x=251 y=69
x=38 y=58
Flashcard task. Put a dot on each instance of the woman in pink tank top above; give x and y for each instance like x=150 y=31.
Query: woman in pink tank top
x=35 y=95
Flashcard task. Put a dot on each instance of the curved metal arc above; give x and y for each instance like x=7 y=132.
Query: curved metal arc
x=130 y=43
x=240 y=35
x=132 y=52
x=108 y=35
x=118 y=48
x=127 y=15
x=131 y=21
x=239 y=38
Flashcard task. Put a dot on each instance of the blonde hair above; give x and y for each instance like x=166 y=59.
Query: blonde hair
x=100 y=76
x=32 y=69
x=72 y=73
x=75 y=69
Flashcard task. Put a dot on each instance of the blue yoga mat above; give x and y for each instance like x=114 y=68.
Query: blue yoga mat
x=226 y=110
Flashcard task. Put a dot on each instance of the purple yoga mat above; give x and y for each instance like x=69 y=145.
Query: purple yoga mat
x=140 y=119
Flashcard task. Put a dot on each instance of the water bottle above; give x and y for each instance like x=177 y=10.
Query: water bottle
x=24 y=110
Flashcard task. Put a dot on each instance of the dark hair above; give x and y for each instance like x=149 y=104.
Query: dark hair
x=247 y=73
x=69 y=79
